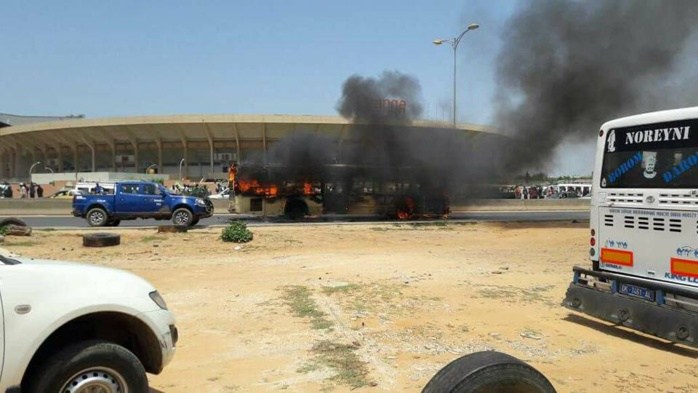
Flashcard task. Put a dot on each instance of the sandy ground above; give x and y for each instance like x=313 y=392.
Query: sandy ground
x=376 y=307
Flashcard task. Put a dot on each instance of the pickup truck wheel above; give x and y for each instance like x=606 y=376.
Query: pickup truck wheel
x=97 y=217
x=182 y=217
x=113 y=223
x=91 y=366
x=488 y=371
x=194 y=221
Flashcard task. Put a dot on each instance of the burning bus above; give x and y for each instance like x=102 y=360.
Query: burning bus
x=340 y=189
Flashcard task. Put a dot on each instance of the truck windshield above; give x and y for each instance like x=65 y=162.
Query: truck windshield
x=163 y=189
x=660 y=155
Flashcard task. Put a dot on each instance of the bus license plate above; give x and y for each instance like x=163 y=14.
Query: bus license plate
x=635 y=291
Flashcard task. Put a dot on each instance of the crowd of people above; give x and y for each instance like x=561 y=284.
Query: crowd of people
x=28 y=190
x=548 y=191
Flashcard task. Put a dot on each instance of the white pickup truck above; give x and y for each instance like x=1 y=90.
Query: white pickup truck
x=67 y=327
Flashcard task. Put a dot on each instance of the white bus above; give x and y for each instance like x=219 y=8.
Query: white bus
x=644 y=227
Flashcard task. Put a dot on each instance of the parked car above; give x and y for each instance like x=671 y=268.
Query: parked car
x=101 y=335
x=225 y=194
x=140 y=199
x=64 y=194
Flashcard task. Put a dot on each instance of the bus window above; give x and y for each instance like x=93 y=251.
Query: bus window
x=660 y=155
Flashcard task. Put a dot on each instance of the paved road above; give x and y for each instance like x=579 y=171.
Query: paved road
x=222 y=219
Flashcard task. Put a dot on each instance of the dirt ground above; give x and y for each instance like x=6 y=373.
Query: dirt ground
x=376 y=307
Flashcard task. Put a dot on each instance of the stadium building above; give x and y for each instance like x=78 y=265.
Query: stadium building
x=180 y=146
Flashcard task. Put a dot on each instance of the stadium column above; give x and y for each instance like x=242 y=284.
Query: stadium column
x=59 y=150
x=76 y=164
x=207 y=131
x=158 y=143
x=186 y=157
x=3 y=164
x=91 y=145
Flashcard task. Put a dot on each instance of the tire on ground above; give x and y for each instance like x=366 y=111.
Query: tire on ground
x=101 y=239
x=87 y=365
x=97 y=217
x=195 y=221
x=488 y=372
x=12 y=221
x=182 y=217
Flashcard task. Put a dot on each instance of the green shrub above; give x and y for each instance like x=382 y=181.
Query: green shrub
x=3 y=230
x=236 y=232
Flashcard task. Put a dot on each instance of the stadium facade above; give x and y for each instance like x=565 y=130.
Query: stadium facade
x=187 y=146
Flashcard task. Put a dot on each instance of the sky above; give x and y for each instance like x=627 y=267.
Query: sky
x=129 y=58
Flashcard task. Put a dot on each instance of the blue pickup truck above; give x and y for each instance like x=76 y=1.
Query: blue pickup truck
x=140 y=199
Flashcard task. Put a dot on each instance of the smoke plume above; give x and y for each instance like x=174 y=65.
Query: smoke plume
x=568 y=66
x=388 y=146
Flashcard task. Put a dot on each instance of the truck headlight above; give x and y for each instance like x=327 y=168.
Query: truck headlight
x=155 y=295
x=200 y=202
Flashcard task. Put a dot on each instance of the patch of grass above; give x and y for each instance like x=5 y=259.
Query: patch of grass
x=513 y=294
x=340 y=289
x=350 y=370
x=26 y=243
x=149 y=239
x=3 y=230
x=299 y=299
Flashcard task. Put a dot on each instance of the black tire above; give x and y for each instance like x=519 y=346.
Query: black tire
x=113 y=223
x=488 y=372
x=97 y=217
x=182 y=217
x=101 y=240
x=296 y=209
x=12 y=221
x=90 y=364
x=195 y=221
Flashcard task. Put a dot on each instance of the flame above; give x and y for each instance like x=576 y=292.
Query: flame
x=406 y=209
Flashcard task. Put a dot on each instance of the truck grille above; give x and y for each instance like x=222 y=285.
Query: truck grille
x=625 y=197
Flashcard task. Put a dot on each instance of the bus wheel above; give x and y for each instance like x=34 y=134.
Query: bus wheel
x=296 y=209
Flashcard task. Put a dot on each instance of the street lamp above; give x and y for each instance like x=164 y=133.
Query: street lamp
x=48 y=169
x=31 y=168
x=454 y=43
x=180 y=169
x=148 y=168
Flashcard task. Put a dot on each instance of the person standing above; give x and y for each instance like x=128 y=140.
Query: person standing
x=39 y=191
x=32 y=189
x=22 y=190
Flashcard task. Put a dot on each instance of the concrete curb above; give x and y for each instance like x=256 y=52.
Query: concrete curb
x=55 y=207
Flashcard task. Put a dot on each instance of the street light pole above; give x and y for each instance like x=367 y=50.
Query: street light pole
x=31 y=168
x=454 y=43
x=180 y=169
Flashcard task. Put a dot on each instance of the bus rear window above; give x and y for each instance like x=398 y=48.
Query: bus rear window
x=661 y=155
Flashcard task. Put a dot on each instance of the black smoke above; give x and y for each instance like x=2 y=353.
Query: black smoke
x=387 y=145
x=568 y=66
